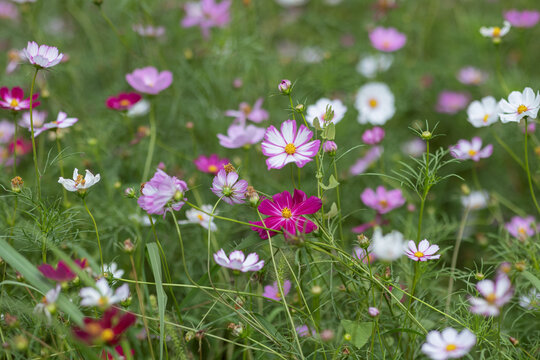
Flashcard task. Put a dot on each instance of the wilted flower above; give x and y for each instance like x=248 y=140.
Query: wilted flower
x=210 y=164
x=382 y=200
x=42 y=56
x=470 y=75
x=519 y=105
x=149 y=80
x=495 y=33
x=318 y=110
x=448 y=344
x=530 y=301
x=162 y=193
x=123 y=101
x=107 y=330
x=62 y=121
x=239 y=136
x=14 y=99
x=256 y=113
x=369 y=158
x=388 y=247
x=206 y=14
x=79 y=183
x=370 y=66
x=476 y=200
x=103 y=296
x=465 y=150
x=521 y=228
x=375 y=103
x=47 y=305
x=272 y=291
x=227 y=186
x=484 y=112
x=387 y=39
x=195 y=216
x=450 y=102
x=522 y=19
x=238 y=261
x=494 y=295
x=373 y=136
x=425 y=251
x=149 y=30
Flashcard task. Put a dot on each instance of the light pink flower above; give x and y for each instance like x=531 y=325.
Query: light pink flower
x=149 y=81
x=162 y=193
x=363 y=163
x=38 y=117
x=465 y=150
x=8 y=11
x=272 y=291
x=7 y=130
x=256 y=113
x=387 y=39
x=238 y=261
x=240 y=135
x=494 y=295
x=15 y=57
x=61 y=122
x=382 y=200
x=330 y=147
x=43 y=56
x=289 y=146
x=521 y=228
x=229 y=188
x=206 y=14
x=305 y=331
x=373 y=136
x=450 y=102
x=472 y=76
x=423 y=252
x=522 y=19
x=373 y=311
x=364 y=256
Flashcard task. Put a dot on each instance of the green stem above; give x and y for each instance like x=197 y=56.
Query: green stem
x=292 y=107
x=15 y=144
x=454 y=259
x=338 y=202
x=527 y=167
x=97 y=234
x=151 y=144
x=34 y=153
x=61 y=164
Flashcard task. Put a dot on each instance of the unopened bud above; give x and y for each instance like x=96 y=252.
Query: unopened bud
x=327 y=335
x=505 y=267
x=189 y=336
x=514 y=341
x=479 y=276
x=17 y=184
x=363 y=241
x=300 y=108
x=285 y=87
x=129 y=247
x=520 y=266
x=426 y=135
x=373 y=312
x=252 y=196
x=387 y=273
x=178 y=195
x=20 y=342
x=126 y=302
x=330 y=147
x=347 y=337
x=465 y=189
x=130 y=192
x=189 y=125
x=316 y=290
x=236 y=329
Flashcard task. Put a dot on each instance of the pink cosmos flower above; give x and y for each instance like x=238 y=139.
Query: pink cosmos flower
x=450 y=102
x=362 y=255
x=472 y=76
x=494 y=295
x=305 y=331
x=61 y=122
x=377 y=221
x=149 y=80
x=14 y=99
x=20 y=147
x=123 y=101
x=365 y=162
x=62 y=273
x=42 y=56
x=229 y=188
x=15 y=57
x=285 y=212
x=272 y=291
x=288 y=146
x=210 y=164
x=472 y=150
x=8 y=11
x=238 y=261
x=330 y=147
x=162 y=193
x=521 y=228
x=255 y=113
x=240 y=135
x=373 y=136
x=206 y=14
x=38 y=117
x=7 y=130
x=423 y=252
x=387 y=39
x=522 y=19
x=382 y=200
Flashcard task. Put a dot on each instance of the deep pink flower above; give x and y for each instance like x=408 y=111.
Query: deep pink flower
x=521 y=228
x=423 y=252
x=229 y=188
x=239 y=136
x=210 y=164
x=256 y=113
x=472 y=150
x=373 y=136
x=272 y=291
x=288 y=146
x=62 y=273
x=14 y=99
x=450 y=102
x=162 y=193
x=107 y=330
x=206 y=14
x=522 y=19
x=20 y=146
x=42 y=56
x=123 y=101
x=149 y=80
x=382 y=200
x=495 y=294
x=387 y=39
x=61 y=122
x=363 y=163
x=285 y=212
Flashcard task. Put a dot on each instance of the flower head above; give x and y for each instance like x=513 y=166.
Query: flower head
x=494 y=295
x=387 y=39
x=289 y=146
x=285 y=212
x=123 y=101
x=240 y=135
x=448 y=344
x=61 y=122
x=388 y=247
x=476 y=200
x=14 y=100
x=495 y=32
x=206 y=14
x=238 y=261
x=47 y=305
x=471 y=150
x=107 y=330
x=425 y=251
x=373 y=312
x=521 y=228
x=246 y=112
x=38 y=117
x=318 y=110
x=272 y=291
x=305 y=331
x=519 y=105
x=285 y=86
x=162 y=193
x=370 y=66
x=79 y=183
x=470 y=75
x=484 y=112
x=522 y=19
x=112 y=270
x=365 y=162
x=149 y=80
x=450 y=102
x=375 y=103
x=42 y=56
x=8 y=11
x=373 y=136
x=382 y=200
x=210 y=164
x=7 y=130
x=530 y=301
x=103 y=296
x=227 y=186
x=62 y=273
x=195 y=216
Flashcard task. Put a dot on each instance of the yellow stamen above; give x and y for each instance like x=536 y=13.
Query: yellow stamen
x=290 y=149
x=521 y=230
x=419 y=254
x=14 y=103
x=383 y=203
x=472 y=152
x=491 y=298
x=521 y=109
x=124 y=102
x=80 y=180
x=486 y=118
x=107 y=335
x=451 y=347
x=373 y=103
x=212 y=168
x=286 y=213
x=246 y=109
x=200 y=217
x=278 y=295
x=496 y=31
x=103 y=301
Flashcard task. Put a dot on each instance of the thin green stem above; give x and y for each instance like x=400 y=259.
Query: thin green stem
x=15 y=143
x=97 y=234
x=338 y=203
x=526 y=151
x=151 y=144
x=61 y=164
x=292 y=107
x=34 y=152
x=454 y=259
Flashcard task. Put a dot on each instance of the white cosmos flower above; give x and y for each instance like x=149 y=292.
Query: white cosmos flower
x=519 y=105
x=484 y=112
x=476 y=200
x=47 y=305
x=195 y=216
x=103 y=296
x=141 y=108
x=113 y=270
x=372 y=65
x=375 y=103
x=291 y=3
x=532 y=301
x=238 y=261
x=79 y=183
x=448 y=344
x=495 y=32
x=388 y=247
x=318 y=110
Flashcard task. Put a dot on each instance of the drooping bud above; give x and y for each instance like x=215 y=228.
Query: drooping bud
x=285 y=87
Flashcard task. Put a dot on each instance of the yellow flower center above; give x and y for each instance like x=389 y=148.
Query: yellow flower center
x=286 y=213
x=80 y=180
x=496 y=31
x=200 y=217
x=124 y=102
x=373 y=103
x=521 y=230
x=103 y=301
x=246 y=109
x=472 y=152
x=451 y=347
x=491 y=298
x=107 y=335
x=418 y=254
x=383 y=203
x=44 y=300
x=212 y=168
x=521 y=109
x=486 y=118
x=278 y=295
x=290 y=149
x=14 y=102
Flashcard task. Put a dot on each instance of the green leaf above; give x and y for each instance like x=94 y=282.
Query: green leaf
x=533 y=279
x=155 y=262
x=317 y=124
x=359 y=331
x=333 y=211
x=332 y=183
x=330 y=131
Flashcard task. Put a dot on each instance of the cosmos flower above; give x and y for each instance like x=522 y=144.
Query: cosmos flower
x=62 y=121
x=450 y=102
x=370 y=66
x=373 y=136
x=388 y=247
x=375 y=103
x=471 y=150
x=373 y=311
x=103 y=296
x=305 y=331
x=470 y=75
x=8 y=11
x=149 y=80
x=415 y=147
x=42 y=56
x=494 y=295
x=107 y=330
x=113 y=270
x=227 y=186
x=285 y=212
x=140 y=108
x=362 y=254
x=15 y=57
x=123 y=101
x=14 y=99
x=425 y=251
x=371 y=156
x=289 y=146
x=38 y=117
x=79 y=183
x=210 y=164
x=7 y=130
x=521 y=228
x=476 y=200
x=149 y=30
x=495 y=33
x=318 y=110
x=47 y=305
x=519 y=105
x=530 y=301
x=387 y=39
x=195 y=216
x=272 y=291
x=522 y=19
x=239 y=136
x=256 y=113
x=484 y=112
x=448 y=344
x=61 y=274
x=381 y=200
x=162 y=193
x=206 y=14
x=238 y=261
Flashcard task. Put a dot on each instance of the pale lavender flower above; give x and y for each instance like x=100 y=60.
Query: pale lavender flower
x=149 y=80
x=62 y=121
x=521 y=228
x=305 y=331
x=425 y=251
x=522 y=19
x=530 y=301
x=415 y=147
x=387 y=39
x=494 y=295
x=448 y=344
x=227 y=186
x=238 y=261
x=149 y=30
x=239 y=136
x=38 y=117
x=372 y=155
x=43 y=56
x=206 y=14
x=8 y=11
x=7 y=130
x=14 y=59
x=245 y=112
x=450 y=102
x=47 y=305
x=471 y=150
x=470 y=75
x=373 y=136
x=103 y=296
x=373 y=311
x=272 y=291
x=162 y=193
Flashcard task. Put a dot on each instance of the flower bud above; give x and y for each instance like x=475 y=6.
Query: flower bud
x=327 y=335
x=126 y=302
x=514 y=341
x=387 y=273
x=479 y=276
x=347 y=337
x=505 y=267
x=426 y=135
x=236 y=329
x=129 y=247
x=189 y=125
x=300 y=108
x=465 y=189
x=189 y=336
x=20 y=342
x=17 y=184
x=520 y=266
x=285 y=87
x=363 y=241
x=373 y=312
x=178 y=195
x=330 y=147
x=252 y=196
x=316 y=290
x=130 y=193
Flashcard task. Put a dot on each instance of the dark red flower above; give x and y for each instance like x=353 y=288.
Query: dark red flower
x=123 y=101
x=14 y=99
x=106 y=330
x=62 y=273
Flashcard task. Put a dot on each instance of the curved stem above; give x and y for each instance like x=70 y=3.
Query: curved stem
x=527 y=167
x=151 y=144
x=97 y=234
x=34 y=153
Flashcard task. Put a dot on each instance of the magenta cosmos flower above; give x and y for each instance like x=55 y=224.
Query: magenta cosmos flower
x=465 y=150
x=238 y=261
x=450 y=102
x=227 y=186
x=521 y=228
x=373 y=136
x=210 y=164
x=522 y=19
x=289 y=146
x=162 y=193
x=123 y=101
x=63 y=272
x=272 y=291
x=424 y=252
x=42 y=56
x=387 y=39
x=381 y=200
x=286 y=212
x=62 y=121
x=14 y=99
x=494 y=295
x=149 y=80
x=241 y=135
x=206 y=14
x=245 y=112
